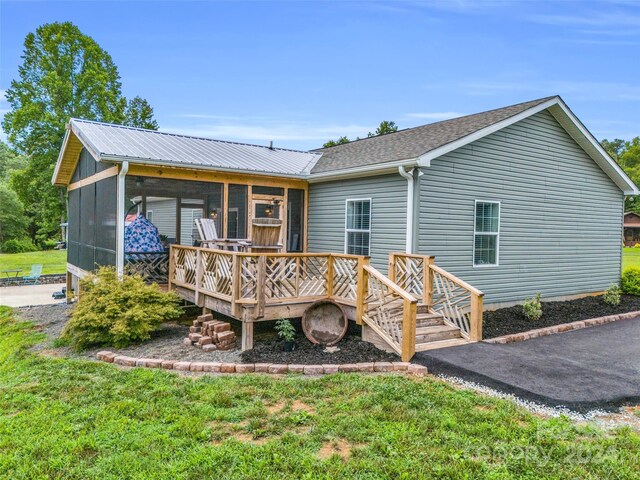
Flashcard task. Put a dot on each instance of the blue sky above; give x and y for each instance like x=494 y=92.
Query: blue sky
x=299 y=73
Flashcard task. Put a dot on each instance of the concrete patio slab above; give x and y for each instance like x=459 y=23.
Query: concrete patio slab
x=30 y=295
x=598 y=367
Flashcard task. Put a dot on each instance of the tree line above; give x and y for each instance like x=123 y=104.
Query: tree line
x=64 y=73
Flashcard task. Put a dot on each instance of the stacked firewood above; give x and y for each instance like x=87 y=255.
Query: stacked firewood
x=209 y=334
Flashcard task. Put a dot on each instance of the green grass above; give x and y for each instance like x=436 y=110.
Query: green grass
x=53 y=261
x=76 y=419
x=630 y=257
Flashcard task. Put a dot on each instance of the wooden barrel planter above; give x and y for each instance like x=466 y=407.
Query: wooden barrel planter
x=324 y=322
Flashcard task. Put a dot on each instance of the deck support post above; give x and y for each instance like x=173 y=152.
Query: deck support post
x=120 y=218
x=475 y=320
x=427 y=287
x=361 y=289
x=409 y=311
x=247 y=335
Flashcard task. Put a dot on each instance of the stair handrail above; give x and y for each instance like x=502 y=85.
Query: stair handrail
x=380 y=313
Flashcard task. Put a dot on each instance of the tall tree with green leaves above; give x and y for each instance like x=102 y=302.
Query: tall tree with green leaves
x=627 y=155
x=140 y=114
x=9 y=162
x=64 y=74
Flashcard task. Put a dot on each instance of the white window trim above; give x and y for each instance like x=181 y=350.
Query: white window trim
x=147 y=216
x=496 y=234
x=350 y=230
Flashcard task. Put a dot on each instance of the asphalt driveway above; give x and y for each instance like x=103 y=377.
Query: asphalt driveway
x=596 y=367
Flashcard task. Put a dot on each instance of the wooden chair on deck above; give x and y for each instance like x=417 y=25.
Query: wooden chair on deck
x=266 y=235
x=208 y=233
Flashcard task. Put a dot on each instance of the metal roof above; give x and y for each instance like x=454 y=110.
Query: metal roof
x=119 y=143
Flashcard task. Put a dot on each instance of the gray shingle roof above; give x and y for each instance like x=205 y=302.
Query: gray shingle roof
x=412 y=142
x=139 y=145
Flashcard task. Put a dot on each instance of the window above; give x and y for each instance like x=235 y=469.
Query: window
x=486 y=234
x=358 y=227
x=150 y=215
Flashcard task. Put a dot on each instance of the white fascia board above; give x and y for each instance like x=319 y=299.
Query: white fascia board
x=160 y=163
x=363 y=171
x=425 y=159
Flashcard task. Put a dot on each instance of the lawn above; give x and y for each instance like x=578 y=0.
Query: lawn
x=630 y=257
x=53 y=261
x=62 y=418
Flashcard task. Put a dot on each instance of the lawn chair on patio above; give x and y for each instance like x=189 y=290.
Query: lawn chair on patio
x=208 y=233
x=33 y=277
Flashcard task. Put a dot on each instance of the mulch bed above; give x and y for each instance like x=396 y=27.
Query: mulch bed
x=506 y=321
x=352 y=350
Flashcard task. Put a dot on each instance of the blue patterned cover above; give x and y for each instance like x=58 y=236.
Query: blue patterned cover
x=142 y=236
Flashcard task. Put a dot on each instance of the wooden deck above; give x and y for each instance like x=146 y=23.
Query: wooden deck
x=253 y=287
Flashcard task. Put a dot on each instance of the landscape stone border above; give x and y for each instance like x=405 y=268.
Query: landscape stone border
x=268 y=368
x=48 y=279
x=563 y=327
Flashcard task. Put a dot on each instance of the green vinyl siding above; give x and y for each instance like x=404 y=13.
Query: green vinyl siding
x=327 y=204
x=560 y=215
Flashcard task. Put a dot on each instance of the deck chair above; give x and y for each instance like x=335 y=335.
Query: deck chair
x=266 y=235
x=207 y=231
x=33 y=277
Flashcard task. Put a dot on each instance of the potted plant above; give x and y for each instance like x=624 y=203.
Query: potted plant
x=286 y=332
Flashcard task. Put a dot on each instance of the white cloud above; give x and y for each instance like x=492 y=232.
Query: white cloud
x=618 y=19
x=435 y=116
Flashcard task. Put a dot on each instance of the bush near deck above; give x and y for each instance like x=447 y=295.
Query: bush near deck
x=62 y=418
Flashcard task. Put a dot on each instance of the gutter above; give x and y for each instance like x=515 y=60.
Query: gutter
x=410 y=201
x=120 y=218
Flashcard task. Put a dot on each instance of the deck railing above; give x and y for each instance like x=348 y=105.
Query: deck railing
x=389 y=311
x=152 y=266
x=262 y=279
x=459 y=303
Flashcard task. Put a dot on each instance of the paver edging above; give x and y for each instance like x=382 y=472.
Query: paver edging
x=266 y=368
x=563 y=327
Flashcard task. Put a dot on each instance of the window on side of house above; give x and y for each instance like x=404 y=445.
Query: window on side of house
x=358 y=227
x=486 y=234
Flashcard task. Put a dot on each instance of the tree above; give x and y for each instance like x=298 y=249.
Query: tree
x=627 y=155
x=64 y=74
x=13 y=222
x=9 y=162
x=140 y=114
x=384 y=128
x=333 y=143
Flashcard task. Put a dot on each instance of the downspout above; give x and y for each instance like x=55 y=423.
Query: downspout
x=120 y=218
x=410 y=201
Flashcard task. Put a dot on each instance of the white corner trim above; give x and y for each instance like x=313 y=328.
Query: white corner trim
x=409 y=219
x=120 y=220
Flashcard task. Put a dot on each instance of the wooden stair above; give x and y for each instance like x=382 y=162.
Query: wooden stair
x=432 y=332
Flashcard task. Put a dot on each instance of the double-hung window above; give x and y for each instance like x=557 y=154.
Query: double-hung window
x=358 y=227
x=486 y=234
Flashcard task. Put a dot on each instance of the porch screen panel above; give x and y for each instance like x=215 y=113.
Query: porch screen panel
x=295 y=220
x=215 y=207
x=73 y=245
x=87 y=227
x=237 y=215
x=105 y=221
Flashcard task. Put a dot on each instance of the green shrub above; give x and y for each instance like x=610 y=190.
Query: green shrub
x=18 y=246
x=630 y=282
x=532 y=308
x=48 y=244
x=286 y=331
x=117 y=312
x=612 y=295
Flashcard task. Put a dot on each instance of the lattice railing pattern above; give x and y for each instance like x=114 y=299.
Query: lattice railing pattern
x=313 y=276
x=452 y=301
x=384 y=311
x=184 y=270
x=248 y=277
x=410 y=272
x=216 y=268
x=152 y=266
x=345 y=277
x=281 y=277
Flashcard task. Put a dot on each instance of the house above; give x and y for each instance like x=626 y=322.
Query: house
x=631 y=236
x=510 y=202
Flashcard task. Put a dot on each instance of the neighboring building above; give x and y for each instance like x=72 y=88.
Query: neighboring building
x=514 y=201
x=631 y=235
